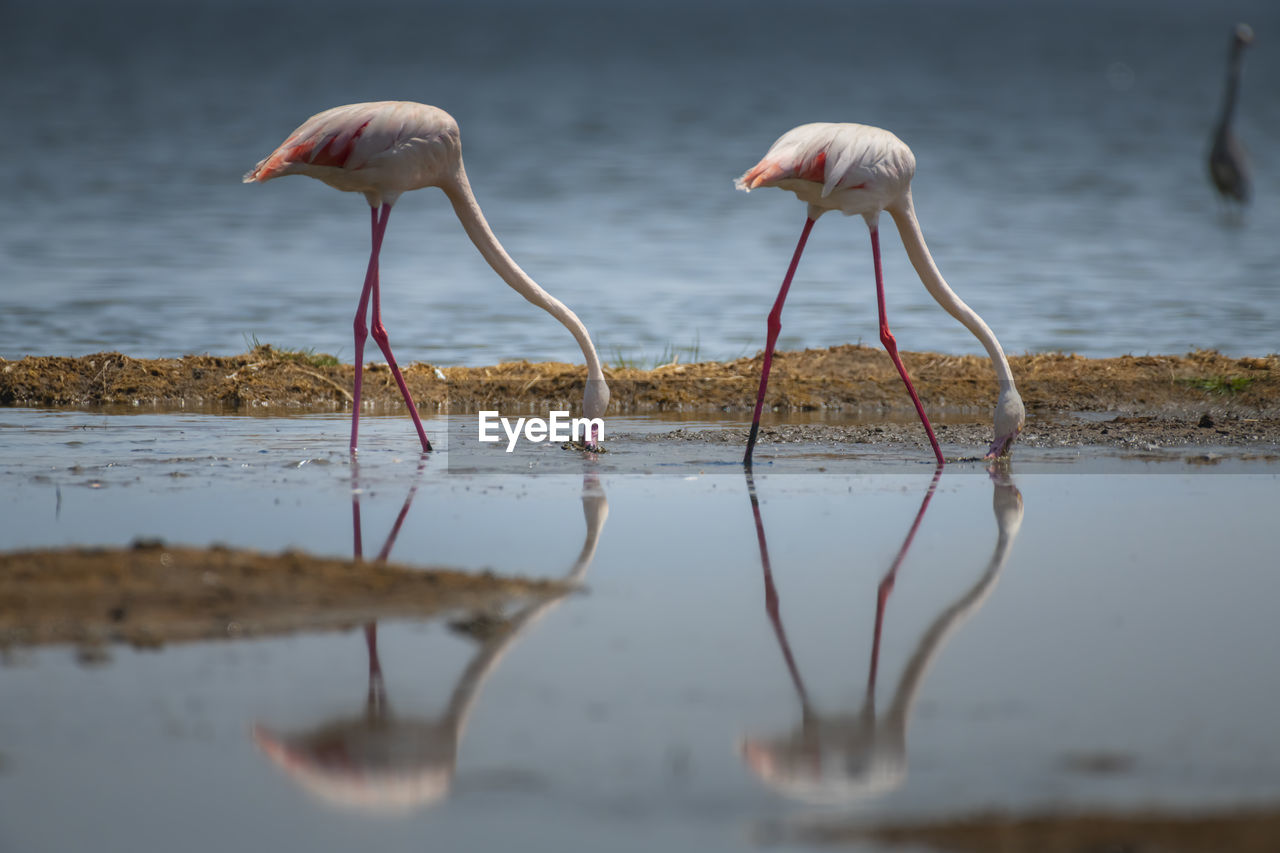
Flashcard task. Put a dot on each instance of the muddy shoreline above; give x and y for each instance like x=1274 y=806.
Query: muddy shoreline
x=1239 y=830
x=1202 y=398
x=1244 y=437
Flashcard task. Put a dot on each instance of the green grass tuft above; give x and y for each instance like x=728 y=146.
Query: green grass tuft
x=1220 y=384
x=299 y=356
x=671 y=354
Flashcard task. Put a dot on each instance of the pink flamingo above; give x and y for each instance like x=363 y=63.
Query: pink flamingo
x=384 y=149
x=854 y=168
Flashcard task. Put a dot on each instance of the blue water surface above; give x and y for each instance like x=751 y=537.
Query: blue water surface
x=1061 y=181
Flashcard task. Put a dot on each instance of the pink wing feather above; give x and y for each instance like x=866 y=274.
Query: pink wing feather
x=344 y=138
x=837 y=156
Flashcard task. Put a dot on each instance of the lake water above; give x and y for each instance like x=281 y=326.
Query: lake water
x=1053 y=640
x=1061 y=181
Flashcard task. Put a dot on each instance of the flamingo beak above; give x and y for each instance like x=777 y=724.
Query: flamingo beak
x=762 y=173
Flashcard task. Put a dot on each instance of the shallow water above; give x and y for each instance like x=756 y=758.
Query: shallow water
x=1061 y=178
x=1052 y=639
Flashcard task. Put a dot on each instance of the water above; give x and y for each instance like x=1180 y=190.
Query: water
x=1039 y=625
x=1061 y=178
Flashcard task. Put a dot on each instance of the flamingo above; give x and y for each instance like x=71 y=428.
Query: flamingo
x=1228 y=164
x=855 y=168
x=382 y=150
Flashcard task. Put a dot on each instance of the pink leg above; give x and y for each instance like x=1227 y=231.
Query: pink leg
x=404 y=511
x=362 y=330
x=886 y=338
x=379 y=333
x=376 y=703
x=357 y=544
x=774 y=326
x=771 y=599
x=886 y=584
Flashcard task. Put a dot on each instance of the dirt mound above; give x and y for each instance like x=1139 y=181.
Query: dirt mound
x=842 y=379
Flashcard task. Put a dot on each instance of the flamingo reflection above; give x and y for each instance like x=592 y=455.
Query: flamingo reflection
x=837 y=758
x=382 y=762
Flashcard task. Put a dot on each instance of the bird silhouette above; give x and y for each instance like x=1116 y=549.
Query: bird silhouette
x=1228 y=163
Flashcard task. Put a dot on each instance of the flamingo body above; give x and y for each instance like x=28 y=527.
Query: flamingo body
x=852 y=168
x=859 y=169
x=382 y=150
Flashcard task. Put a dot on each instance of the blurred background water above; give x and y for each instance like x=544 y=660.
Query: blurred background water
x=1061 y=181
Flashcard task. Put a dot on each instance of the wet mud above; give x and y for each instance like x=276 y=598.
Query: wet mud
x=1241 y=831
x=849 y=379
x=1246 y=437
x=152 y=594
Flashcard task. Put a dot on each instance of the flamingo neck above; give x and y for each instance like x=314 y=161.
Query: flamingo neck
x=595 y=509
x=935 y=637
x=1233 y=84
x=477 y=228
x=904 y=216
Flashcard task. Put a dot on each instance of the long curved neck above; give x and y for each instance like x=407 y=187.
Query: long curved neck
x=904 y=216
x=477 y=228
x=1008 y=508
x=595 y=509
x=1233 y=84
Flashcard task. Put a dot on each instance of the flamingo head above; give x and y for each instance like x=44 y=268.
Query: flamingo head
x=1011 y=416
x=827 y=767
x=595 y=400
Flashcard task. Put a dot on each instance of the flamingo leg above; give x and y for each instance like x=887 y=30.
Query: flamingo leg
x=404 y=511
x=890 y=344
x=376 y=702
x=774 y=326
x=359 y=325
x=771 y=600
x=379 y=331
x=357 y=544
x=886 y=583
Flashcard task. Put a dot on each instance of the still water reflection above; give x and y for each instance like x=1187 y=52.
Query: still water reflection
x=837 y=758
x=380 y=761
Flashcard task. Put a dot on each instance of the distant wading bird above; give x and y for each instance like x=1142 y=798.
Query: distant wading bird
x=384 y=149
x=1228 y=164
x=854 y=168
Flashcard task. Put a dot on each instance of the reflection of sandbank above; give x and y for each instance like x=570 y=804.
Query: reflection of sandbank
x=152 y=593
x=840 y=758
x=380 y=762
